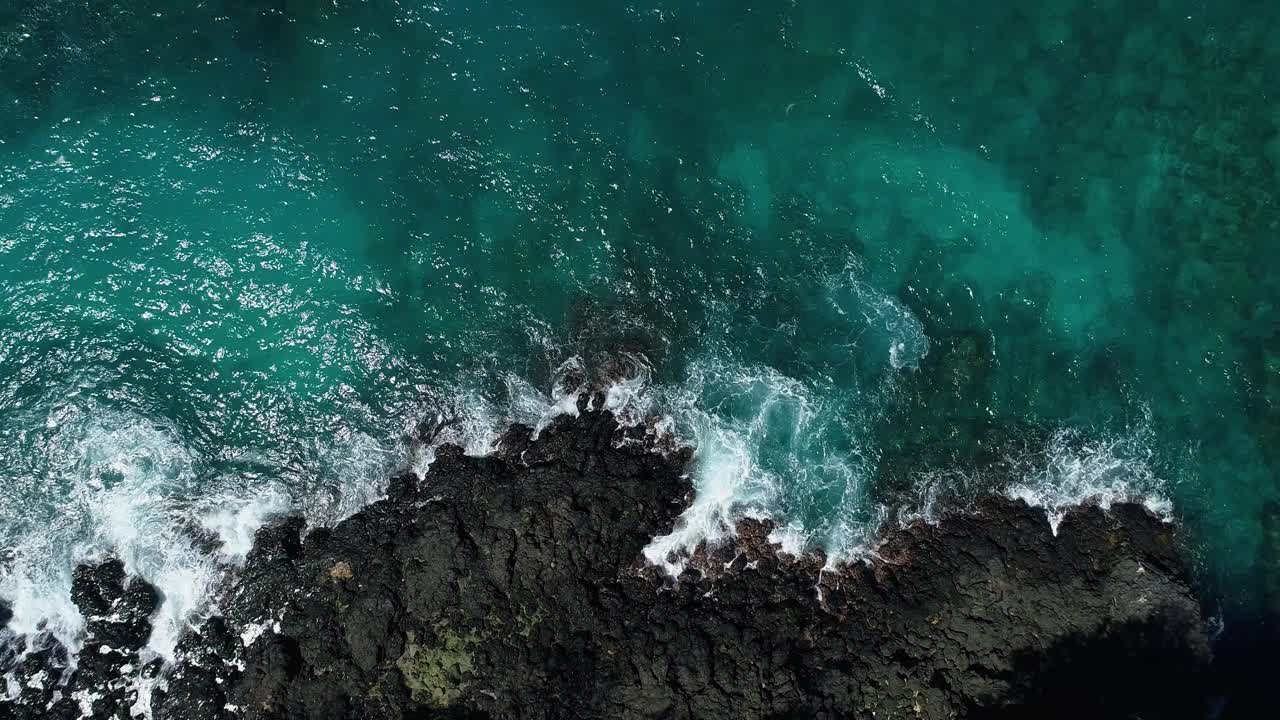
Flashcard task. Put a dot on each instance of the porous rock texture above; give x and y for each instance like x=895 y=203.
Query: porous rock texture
x=514 y=586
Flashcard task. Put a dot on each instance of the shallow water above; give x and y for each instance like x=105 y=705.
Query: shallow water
x=871 y=259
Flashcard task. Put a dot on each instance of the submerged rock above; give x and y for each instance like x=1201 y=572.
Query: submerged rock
x=514 y=586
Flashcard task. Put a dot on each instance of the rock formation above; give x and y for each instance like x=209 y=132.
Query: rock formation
x=101 y=681
x=513 y=586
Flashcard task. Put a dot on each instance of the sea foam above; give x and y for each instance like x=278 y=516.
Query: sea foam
x=1077 y=469
x=766 y=445
x=120 y=484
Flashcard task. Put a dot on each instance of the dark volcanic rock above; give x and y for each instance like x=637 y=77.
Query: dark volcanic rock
x=38 y=675
x=117 y=612
x=117 y=609
x=196 y=687
x=512 y=586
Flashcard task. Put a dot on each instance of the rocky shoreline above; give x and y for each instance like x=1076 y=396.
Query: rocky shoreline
x=513 y=586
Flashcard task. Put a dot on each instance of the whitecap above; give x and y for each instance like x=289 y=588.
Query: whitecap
x=235 y=520
x=765 y=445
x=113 y=487
x=1076 y=470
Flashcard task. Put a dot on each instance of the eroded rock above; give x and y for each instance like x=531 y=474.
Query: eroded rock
x=513 y=586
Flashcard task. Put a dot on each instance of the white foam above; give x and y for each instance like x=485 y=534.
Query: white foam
x=628 y=398
x=538 y=409
x=235 y=520
x=102 y=481
x=477 y=421
x=143 y=689
x=253 y=631
x=362 y=465
x=762 y=449
x=1077 y=471
x=112 y=491
x=725 y=466
x=136 y=519
x=883 y=325
x=475 y=430
x=121 y=484
x=781 y=447
x=792 y=539
x=38 y=588
x=735 y=426
x=85 y=698
x=931 y=491
x=186 y=585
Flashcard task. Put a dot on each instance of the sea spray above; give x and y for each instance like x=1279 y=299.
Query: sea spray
x=118 y=484
x=234 y=519
x=770 y=447
x=109 y=486
x=1077 y=468
x=475 y=420
x=765 y=445
x=791 y=449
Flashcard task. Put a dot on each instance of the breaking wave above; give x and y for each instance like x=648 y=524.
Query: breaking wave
x=1076 y=469
x=766 y=445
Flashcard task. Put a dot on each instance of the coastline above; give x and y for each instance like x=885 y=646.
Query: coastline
x=514 y=586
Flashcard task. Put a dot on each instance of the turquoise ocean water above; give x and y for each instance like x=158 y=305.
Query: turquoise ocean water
x=871 y=258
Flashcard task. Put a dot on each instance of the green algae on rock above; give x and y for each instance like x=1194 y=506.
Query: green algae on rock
x=435 y=672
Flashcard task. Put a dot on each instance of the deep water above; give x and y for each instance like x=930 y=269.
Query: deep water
x=872 y=258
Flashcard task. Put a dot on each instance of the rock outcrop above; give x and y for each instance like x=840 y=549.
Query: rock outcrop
x=513 y=586
x=101 y=681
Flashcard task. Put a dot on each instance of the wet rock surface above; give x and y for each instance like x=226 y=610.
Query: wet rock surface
x=100 y=681
x=513 y=586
